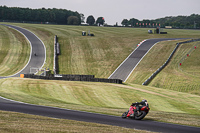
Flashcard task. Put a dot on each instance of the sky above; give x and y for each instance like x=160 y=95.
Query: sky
x=114 y=11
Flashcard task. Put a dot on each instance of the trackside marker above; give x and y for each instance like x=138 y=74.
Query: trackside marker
x=141 y=42
x=21 y=75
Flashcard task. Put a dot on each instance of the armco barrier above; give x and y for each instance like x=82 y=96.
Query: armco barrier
x=56 y=53
x=55 y=61
x=89 y=78
x=168 y=60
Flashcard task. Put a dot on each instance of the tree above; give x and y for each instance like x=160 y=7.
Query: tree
x=125 y=22
x=100 y=20
x=90 y=20
x=73 y=20
x=133 y=21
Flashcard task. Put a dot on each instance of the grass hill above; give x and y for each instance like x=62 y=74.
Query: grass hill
x=100 y=55
x=184 y=78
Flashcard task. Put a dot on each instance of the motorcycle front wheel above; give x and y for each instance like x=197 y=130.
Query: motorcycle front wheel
x=140 y=116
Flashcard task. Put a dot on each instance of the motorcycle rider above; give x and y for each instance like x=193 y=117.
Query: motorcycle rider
x=136 y=111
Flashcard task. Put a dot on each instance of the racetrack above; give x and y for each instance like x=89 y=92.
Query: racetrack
x=38 y=61
x=130 y=63
x=96 y=118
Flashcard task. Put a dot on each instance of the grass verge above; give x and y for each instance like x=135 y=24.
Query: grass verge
x=112 y=99
x=23 y=123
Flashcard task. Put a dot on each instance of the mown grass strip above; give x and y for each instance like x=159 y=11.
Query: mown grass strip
x=4 y=43
x=14 y=50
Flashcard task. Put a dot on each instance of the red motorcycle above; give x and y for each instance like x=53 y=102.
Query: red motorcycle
x=139 y=115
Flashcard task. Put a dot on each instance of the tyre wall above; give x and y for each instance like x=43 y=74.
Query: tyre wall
x=89 y=78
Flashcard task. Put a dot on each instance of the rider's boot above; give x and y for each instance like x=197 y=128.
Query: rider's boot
x=138 y=113
x=132 y=115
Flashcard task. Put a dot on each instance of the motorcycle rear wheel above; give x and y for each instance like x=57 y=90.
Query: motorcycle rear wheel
x=124 y=115
x=141 y=116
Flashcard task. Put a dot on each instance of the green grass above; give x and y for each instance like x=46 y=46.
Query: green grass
x=112 y=99
x=23 y=123
x=100 y=56
x=184 y=78
x=14 y=50
x=190 y=64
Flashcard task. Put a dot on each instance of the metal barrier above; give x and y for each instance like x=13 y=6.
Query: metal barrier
x=56 y=51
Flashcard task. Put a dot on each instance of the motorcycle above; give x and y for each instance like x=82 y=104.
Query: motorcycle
x=139 y=115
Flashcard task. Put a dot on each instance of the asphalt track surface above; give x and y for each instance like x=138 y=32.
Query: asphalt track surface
x=130 y=63
x=9 y=105
x=96 y=118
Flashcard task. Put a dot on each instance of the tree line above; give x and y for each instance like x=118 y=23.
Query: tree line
x=58 y=16
x=55 y=16
x=63 y=16
x=192 y=21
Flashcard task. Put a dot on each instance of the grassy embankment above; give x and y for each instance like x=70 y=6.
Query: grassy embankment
x=184 y=78
x=97 y=53
x=14 y=51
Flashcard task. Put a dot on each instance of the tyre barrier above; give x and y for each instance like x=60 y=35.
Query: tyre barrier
x=89 y=78
x=168 y=60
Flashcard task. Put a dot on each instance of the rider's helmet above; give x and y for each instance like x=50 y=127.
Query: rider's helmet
x=144 y=100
